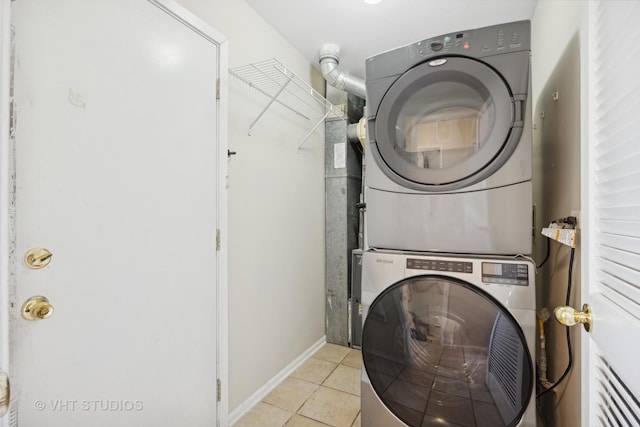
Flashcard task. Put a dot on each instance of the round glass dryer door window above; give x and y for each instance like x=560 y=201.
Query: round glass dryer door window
x=444 y=125
x=436 y=348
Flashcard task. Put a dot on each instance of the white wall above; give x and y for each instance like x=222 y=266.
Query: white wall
x=276 y=210
x=554 y=24
x=556 y=68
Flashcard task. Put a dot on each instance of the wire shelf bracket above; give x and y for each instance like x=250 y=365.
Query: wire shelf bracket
x=281 y=85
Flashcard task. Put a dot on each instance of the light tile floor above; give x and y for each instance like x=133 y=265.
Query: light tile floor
x=324 y=391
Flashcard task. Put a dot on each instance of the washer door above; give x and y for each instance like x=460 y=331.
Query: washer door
x=446 y=124
x=439 y=349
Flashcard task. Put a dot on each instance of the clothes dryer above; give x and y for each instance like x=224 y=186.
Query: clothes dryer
x=449 y=153
x=447 y=341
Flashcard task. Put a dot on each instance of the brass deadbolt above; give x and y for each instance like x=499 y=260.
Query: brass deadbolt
x=37 y=308
x=38 y=258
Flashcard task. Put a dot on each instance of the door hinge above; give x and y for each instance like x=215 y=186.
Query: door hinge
x=217 y=88
x=217 y=239
x=219 y=390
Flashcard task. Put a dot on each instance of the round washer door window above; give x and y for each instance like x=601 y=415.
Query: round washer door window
x=436 y=348
x=444 y=125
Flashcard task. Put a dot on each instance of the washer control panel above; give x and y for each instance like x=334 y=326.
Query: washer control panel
x=505 y=274
x=439 y=265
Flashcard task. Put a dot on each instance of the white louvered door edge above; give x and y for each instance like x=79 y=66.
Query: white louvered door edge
x=611 y=212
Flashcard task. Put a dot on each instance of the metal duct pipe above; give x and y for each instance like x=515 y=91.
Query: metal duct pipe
x=329 y=60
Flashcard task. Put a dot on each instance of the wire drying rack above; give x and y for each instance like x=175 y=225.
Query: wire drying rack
x=281 y=85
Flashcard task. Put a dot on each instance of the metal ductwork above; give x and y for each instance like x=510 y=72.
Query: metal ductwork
x=329 y=61
x=343 y=185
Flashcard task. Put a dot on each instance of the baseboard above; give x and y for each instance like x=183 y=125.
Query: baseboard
x=256 y=397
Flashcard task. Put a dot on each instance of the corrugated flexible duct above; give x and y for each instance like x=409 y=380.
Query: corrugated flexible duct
x=329 y=61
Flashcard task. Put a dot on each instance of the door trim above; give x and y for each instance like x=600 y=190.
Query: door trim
x=585 y=269
x=5 y=65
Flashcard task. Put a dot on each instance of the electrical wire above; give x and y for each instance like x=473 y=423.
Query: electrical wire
x=546 y=257
x=570 y=362
x=571 y=221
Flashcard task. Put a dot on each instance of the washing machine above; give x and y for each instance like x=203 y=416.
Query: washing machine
x=447 y=341
x=449 y=153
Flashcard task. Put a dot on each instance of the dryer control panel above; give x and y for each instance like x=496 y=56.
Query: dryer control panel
x=456 y=43
x=505 y=274
x=477 y=43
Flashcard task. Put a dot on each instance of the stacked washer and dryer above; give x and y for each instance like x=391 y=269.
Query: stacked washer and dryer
x=449 y=307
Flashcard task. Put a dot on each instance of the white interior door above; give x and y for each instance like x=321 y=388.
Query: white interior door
x=117 y=174
x=611 y=202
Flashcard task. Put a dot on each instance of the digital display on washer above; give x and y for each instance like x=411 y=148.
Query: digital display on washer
x=439 y=265
x=505 y=274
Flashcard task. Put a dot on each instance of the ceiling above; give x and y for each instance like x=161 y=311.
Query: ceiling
x=362 y=30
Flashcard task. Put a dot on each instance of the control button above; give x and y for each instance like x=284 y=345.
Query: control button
x=436 y=46
x=466 y=45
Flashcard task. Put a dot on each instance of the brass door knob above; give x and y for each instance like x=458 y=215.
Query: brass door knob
x=38 y=258
x=5 y=394
x=37 y=308
x=568 y=316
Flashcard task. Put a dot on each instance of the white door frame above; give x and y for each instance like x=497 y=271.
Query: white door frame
x=199 y=26
x=5 y=64
x=585 y=272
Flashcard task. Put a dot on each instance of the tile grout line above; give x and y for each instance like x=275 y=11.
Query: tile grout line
x=318 y=386
x=331 y=388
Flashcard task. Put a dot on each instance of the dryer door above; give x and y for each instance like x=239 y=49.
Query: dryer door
x=446 y=124
x=439 y=349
